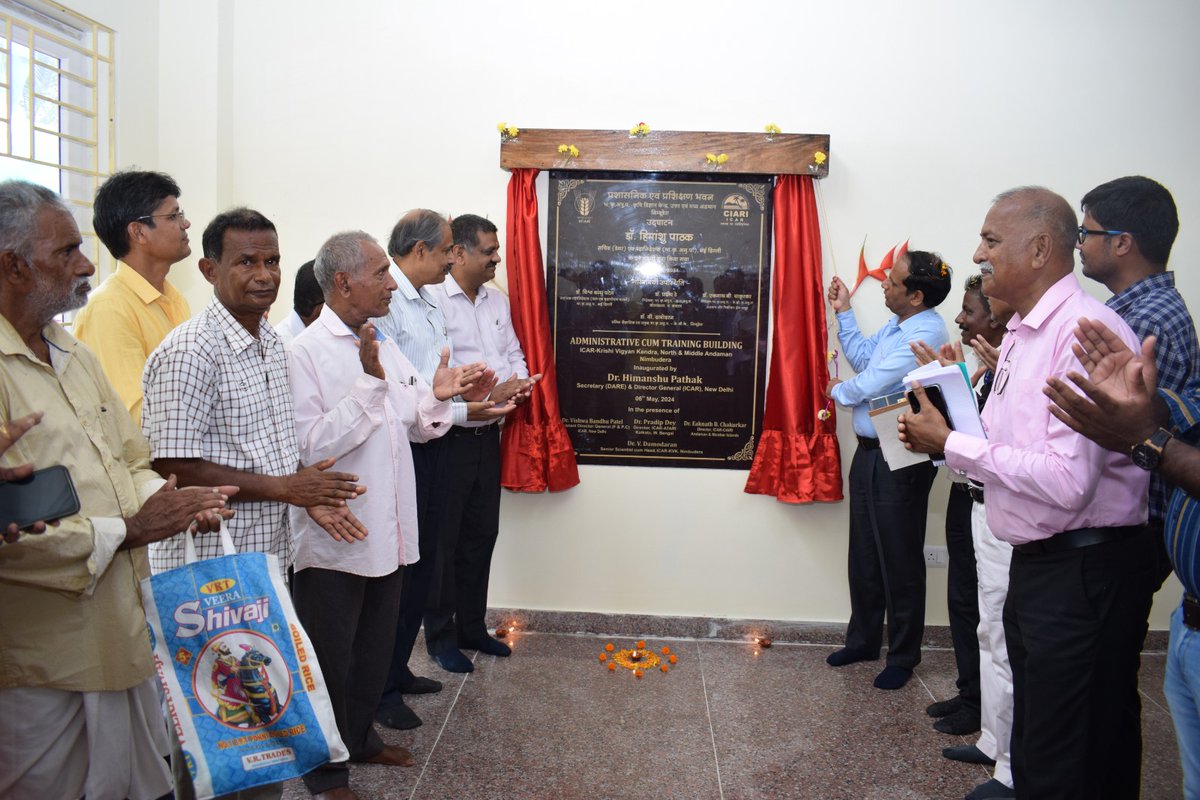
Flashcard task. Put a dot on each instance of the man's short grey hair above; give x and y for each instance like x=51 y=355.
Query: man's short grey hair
x=341 y=252
x=20 y=204
x=1050 y=211
x=418 y=225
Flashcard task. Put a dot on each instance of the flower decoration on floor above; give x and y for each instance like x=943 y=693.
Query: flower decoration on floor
x=507 y=132
x=641 y=130
x=638 y=659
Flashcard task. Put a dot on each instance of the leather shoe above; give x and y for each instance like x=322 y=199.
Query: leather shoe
x=391 y=756
x=990 y=790
x=454 y=661
x=416 y=685
x=967 y=753
x=340 y=793
x=944 y=708
x=960 y=723
x=489 y=645
x=397 y=716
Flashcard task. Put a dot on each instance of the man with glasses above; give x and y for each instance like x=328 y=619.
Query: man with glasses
x=1083 y=569
x=1129 y=225
x=137 y=216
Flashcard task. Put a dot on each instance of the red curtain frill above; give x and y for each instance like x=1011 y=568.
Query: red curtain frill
x=535 y=451
x=798 y=459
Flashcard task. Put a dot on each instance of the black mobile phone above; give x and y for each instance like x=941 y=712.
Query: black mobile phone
x=934 y=393
x=45 y=495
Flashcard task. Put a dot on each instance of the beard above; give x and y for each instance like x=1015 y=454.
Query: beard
x=50 y=302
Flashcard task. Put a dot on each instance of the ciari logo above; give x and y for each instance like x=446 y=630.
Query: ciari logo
x=735 y=209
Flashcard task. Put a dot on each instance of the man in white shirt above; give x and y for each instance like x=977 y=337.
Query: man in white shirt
x=307 y=302
x=481 y=329
x=360 y=401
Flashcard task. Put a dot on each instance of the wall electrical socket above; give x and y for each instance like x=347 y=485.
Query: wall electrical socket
x=936 y=556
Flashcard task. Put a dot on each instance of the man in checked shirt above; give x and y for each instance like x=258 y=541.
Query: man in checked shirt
x=1129 y=225
x=218 y=401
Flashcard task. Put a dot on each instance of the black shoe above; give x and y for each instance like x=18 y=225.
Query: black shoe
x=944 y=708
x=454 y=661
x=840 y=658
x=990 y=790
x=415 y=685
x=488 y=645
x=892 y=677
x=960 y=723
x=968 y=754
x=398 y=716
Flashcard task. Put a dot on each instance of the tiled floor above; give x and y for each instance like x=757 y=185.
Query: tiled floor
x=729 y=721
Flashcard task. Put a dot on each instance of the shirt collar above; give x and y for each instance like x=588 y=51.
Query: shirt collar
x=235 y=333
x=406 y=288
x=452 y=288
x=334 y=324
x=912 y=321
x=137 y=284
x=1151 y=283
x=11 y=343
x=1064 y=289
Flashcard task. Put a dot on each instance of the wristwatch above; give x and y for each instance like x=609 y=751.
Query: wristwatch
x=1148 y=454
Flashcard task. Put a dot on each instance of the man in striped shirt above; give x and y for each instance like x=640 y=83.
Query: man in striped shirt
x=1125 y=416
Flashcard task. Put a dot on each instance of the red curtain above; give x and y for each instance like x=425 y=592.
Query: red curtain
x=798 y=460
x=535 y=450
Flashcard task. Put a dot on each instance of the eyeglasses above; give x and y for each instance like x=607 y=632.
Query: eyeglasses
x=177 y=217
x=1085 y=232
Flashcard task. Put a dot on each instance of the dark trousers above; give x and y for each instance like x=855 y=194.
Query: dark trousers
x=469 y=523
x=962 y=595
x=886 y=559
x=418 y=577
x=1075 y=622
x=351 y=621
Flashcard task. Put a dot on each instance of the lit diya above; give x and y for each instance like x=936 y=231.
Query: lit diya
x=638 y=659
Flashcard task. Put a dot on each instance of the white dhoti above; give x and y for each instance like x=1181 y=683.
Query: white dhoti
x=992 y=559
x=107 y=745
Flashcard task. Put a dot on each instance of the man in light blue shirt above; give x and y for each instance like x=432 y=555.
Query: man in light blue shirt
x=886 y=564
x=419 y=247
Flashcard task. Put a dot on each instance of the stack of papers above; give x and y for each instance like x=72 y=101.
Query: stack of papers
x=955 y=384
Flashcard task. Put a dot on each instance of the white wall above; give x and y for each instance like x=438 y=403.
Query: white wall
x=332 y=116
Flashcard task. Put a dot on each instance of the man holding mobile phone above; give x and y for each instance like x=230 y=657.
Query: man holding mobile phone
x=78 y=694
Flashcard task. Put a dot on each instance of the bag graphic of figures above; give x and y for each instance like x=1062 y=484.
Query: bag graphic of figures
x=244 y=691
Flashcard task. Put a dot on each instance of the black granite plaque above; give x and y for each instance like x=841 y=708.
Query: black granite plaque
x=659 y=287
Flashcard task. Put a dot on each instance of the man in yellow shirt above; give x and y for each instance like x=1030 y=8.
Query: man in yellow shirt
x=137 y=216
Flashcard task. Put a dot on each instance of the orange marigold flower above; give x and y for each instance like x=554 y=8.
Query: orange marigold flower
x=608 y=647
x=672 y=659
x=663 y=667
x=603 y=657
x=641 y=645
x=612 y=665
x=666 y=650
x=637 y=673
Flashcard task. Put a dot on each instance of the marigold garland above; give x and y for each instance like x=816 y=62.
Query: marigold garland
x=646 y=660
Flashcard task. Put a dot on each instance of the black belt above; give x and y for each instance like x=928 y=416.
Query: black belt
x=1081 y=537
x=976 y=493
x=1191 y=612
x=479 y=430
x=867 y=443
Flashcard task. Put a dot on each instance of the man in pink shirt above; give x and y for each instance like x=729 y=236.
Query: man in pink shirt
x=1082 y=571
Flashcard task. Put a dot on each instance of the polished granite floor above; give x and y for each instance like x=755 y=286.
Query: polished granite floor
x=728 y=721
